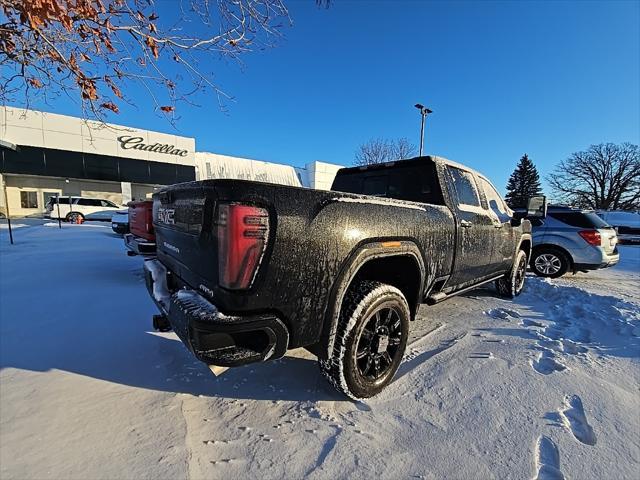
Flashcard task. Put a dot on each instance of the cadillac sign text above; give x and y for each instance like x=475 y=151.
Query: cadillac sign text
x=136 y=143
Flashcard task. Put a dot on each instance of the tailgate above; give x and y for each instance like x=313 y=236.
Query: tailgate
x=141 y=219
x=609 y=239
x=185 y=238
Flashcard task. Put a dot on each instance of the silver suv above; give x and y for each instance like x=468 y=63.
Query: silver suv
x=571 y=240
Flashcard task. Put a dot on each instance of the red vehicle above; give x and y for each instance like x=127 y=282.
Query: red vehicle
x=142 y=239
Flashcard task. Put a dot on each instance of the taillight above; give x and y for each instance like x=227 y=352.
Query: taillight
x=149 y=220
x=242 y=238
x=592 y=237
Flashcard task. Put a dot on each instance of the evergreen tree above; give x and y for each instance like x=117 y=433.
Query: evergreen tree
x=523 y=183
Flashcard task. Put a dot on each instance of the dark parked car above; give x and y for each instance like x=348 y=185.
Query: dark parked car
x=247 y=270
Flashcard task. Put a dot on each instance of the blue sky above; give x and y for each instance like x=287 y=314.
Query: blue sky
x=503 y=78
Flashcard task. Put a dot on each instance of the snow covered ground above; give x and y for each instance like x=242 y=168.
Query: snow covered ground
x=543 y=387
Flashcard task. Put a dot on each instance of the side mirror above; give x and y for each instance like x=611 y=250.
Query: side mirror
x=537 y=207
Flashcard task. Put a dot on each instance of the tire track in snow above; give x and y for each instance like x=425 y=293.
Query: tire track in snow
x=415 y=357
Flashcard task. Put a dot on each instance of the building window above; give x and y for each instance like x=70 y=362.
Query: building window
x=49 y=198
x=29 y=199
x=208 y=166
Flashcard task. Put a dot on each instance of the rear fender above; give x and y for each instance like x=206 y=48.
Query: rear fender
x=352 y=265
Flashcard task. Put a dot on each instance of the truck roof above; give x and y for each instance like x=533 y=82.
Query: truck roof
x=424 y=158
x=408 y=161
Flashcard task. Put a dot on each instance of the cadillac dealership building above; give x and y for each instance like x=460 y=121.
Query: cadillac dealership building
x=44 y=155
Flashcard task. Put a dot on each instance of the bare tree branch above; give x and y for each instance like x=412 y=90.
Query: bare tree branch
x=98 y=49
x=606 y=176
x=380 y=150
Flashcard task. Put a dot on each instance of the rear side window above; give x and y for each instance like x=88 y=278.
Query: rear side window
x=412 y=182
x=465 y=187
x=61 y=200
x=580 y=219
x=89 y=202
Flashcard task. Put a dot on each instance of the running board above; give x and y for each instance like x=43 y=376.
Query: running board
x=440 y=296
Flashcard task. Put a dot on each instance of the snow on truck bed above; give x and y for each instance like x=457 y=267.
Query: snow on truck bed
x=543 y=387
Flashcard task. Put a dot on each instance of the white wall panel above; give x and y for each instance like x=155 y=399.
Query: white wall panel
x=50 y=130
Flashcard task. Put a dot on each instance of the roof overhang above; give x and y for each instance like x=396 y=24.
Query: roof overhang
x=9 y=145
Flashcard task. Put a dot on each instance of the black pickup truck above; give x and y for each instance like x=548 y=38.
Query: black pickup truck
x=246 y=270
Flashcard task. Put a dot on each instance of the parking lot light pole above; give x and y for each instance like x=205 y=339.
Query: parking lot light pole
x=58 y=205
x=6 y=206
x=424 y=111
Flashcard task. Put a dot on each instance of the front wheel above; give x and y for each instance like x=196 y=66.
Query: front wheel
x=371 y=338
x=512 y=284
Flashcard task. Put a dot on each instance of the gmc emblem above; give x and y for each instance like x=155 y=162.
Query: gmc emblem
x=165 y=215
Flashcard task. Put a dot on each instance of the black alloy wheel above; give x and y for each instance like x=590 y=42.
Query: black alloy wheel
x=379 y=343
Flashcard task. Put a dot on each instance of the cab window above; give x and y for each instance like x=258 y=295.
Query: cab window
x=465 y=187
x=376 y=186
x=412 y=181
x=494 y=201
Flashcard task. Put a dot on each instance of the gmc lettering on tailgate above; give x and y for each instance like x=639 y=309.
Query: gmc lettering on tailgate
x=166 y=215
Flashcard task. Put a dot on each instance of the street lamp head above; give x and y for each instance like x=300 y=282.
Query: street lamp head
x=423 y=110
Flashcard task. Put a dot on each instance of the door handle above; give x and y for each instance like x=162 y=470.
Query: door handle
x=465 y=223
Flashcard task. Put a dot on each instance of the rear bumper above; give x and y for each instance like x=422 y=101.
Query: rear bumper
x=607 y=261
x=138 y=245
x=215 y=338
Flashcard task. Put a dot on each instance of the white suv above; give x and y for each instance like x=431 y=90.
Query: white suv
x=83 y=207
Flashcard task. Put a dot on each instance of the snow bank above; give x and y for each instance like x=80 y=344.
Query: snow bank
x=603 y=323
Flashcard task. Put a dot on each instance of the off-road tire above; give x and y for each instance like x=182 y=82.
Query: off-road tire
x=512 y=284
x=565 y=262
x=359 y=308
